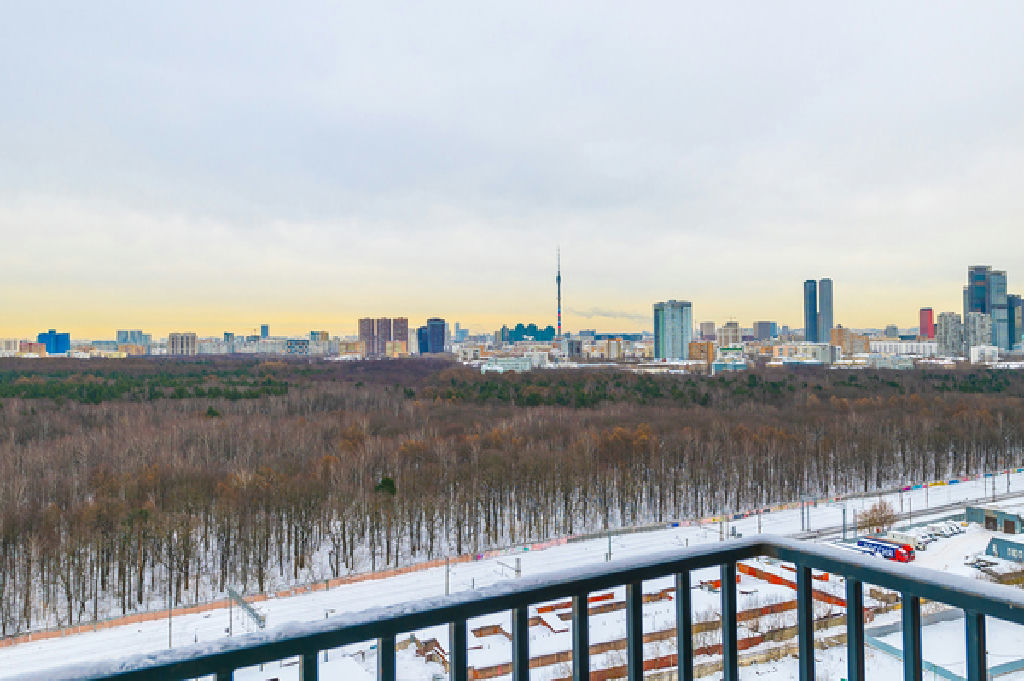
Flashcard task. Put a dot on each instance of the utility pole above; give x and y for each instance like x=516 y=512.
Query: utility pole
x=608 y=556
x=170 y=587
x=447 y=577
x=844 y=521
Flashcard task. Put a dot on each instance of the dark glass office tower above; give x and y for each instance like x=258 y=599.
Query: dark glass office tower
x=825 y=321
x=811 y=311
x=435 y=335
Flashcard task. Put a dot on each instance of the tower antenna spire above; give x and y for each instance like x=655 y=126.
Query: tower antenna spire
x=558 y=285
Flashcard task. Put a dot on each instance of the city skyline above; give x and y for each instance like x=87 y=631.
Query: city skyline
x=634 y=322
x=158 y=175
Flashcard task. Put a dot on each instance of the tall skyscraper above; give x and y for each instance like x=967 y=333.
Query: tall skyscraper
x=400 y=329
x=264 y=331
x=422 y=340
x=435 y=335
x=949 y=334
x=811 y=311
x=986 y=293
x=673 y=329
x=927 y=324
x=382 y=335
x=707 y=331
x=825 y=321
x=1014 y=315
x=368 y=336
x=998 y=309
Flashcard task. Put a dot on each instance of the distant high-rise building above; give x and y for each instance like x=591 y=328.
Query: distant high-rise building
x=181 y=344
x=368 y=336
x=891 y=331
x=811 y=311
x=1015 y=317
x=134 y=337
x=400 y=329
x=382 y=335
x=765 y=330
x=998 y=309
x=949 y=334
x=707 y=331
x=436 y=335
x=985 y=293
x=927 y=324
x=229 y=337
x=730 y=335
x=976 y=291
x=422 y=340
x=977 y=329
x=264 y=331
x=825 y=320
x=673 y=329
x=56 y=343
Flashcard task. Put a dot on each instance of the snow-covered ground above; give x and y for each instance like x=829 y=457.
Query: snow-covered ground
x=357 y=662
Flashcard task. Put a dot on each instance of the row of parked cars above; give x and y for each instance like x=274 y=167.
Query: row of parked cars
x=902 y=545
x=921 y=537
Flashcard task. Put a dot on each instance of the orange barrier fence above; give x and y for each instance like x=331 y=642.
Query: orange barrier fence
x=773 y=578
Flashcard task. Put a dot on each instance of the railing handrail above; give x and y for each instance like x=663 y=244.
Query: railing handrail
x=972 y=595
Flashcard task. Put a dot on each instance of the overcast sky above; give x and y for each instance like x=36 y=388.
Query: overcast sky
x=212 y=166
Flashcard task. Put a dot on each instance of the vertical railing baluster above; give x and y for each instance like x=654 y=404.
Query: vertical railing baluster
x=684 y=626
x=977 y=664
x=854 y=630
x=635 y=631
x=730 y=640
x=457 y=657
x=386 y=658
x=805 y=621
x=308 y=669
x=521 y=644
x=912 y=669
x=580 y=638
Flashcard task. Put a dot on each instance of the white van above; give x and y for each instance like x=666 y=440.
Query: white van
x=917 y=542
x=940 y=530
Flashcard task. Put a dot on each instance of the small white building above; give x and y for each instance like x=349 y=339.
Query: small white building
x=900 y=348
x=984 y=354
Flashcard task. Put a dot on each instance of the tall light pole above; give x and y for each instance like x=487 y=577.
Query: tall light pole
x=170 y=586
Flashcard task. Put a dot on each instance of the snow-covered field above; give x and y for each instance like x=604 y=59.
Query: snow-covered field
x=356 y=662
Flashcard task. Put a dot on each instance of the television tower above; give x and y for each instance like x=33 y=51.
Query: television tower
x=558 y=284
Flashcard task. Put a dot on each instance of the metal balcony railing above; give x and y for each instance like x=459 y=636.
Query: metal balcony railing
x=977 y=599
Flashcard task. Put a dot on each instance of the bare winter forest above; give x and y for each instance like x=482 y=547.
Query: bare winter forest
x=118 y=479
